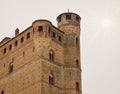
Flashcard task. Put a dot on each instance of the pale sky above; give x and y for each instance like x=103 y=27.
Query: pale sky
x=100 y=35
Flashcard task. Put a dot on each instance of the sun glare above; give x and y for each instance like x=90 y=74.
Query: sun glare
x=106 y=23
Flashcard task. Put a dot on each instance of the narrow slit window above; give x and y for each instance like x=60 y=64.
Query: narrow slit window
x=22 y=39
x=60 y=38
x=2 y=92
x=77 y=86
x=11 y=68
x=77 y=41
x=16 y=43
x=5 y=50
x=10 y=46
x=54 y=35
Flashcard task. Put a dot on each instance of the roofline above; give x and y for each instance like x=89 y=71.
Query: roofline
x=16 y=36
x=42 y=20
x=67 y=13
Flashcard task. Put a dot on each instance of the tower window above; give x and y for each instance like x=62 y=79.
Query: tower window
x=22 y=39
x=40 y=28
x=16 y=43
x=59 y=19
x=51 y=55
x=54 y=35
x=77 y=18
x=77 y=63
x=51 y=78
x=68 y=17
x=28 y=35
x=77 y=86
x=10 y=46
x=77 y=41
x=60 y=38
x=5 y=50
x=2 y=92
x=11 y=68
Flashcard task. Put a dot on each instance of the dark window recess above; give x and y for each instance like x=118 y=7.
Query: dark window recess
x=77 y=86
x=49 y=30
x=51 y=80
x=77 y=63
x=5 y=50
x=77 y=18
x=59 y=19
x=11 y=68
x=54 y=35
x=60 y=38
x=2 y=92
x=40 y=28
x=51 y=56
x=22 y=39
x=68 y=17
x=28 y=35
x=77 y=41
x=16 y=43
x=10 y=46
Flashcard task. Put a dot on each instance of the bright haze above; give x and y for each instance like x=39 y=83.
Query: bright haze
x=100 y=35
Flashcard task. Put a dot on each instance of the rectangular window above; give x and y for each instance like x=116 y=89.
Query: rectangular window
x=5 y=50
x=16 y=43
x=53 y=35
x=40 y=28
x=2 y=92
x=22 y=39
x=28 y=35
x=60 y=38
x=77 y=86
x=68 y=17
x=10 y=46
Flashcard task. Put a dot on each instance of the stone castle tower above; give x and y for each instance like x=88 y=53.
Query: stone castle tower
x=43 y=59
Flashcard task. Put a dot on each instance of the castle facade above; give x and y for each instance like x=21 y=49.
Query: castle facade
x=43 y=59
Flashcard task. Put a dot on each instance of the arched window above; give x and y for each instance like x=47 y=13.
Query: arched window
x=77 y=41
x=51 y=55
x=11 y=68
x=51 y=78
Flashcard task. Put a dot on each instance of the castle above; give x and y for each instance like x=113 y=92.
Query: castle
x=43 y=59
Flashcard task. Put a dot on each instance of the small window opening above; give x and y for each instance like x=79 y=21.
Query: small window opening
x=10 y=46
x=51 y=56
x=54 y=35
x=40 y=28
x=2 y=92
x=77 y=18
x=77 y=41
x=16 y=43
x=28 y=35
x=59 y=19
x=60 y=38
x=77 y=63
x=5 y=50
x=51 y=78
x=22 y=39
x=11 y=68
x=68 y=17
x=77 y=86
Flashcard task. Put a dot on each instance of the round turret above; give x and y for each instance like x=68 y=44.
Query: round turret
x=68 y=19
